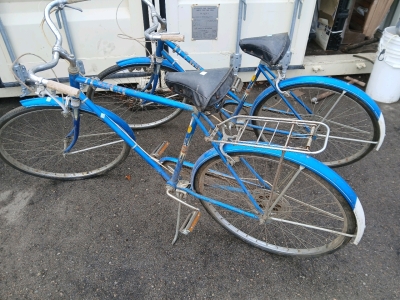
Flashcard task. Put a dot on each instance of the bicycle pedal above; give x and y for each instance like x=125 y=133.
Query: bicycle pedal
x=160 y=149
x=190 y=222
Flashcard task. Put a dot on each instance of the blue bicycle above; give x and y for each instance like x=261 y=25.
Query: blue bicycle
x=356 y=122
x=269 y=195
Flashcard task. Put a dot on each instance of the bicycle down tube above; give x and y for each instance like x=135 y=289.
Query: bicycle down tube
x=172 y=181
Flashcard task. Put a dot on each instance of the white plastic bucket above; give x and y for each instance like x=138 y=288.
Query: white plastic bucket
x=384 y=82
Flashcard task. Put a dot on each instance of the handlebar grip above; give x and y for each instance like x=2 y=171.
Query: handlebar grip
x=173 y=37
x=75 y=1
x=62 y=88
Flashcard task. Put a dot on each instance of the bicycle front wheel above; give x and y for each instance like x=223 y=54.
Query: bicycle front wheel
x=354 y=131
x=139 y=114
x=33 y=140
x=310 y=219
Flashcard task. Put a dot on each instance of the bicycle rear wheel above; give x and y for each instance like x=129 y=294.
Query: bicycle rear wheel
x=300 y=222
x=137 y=113
x=33 y=140
x=354 y=129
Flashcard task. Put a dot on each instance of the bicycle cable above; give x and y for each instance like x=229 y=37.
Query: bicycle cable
x=125 y=36
x=19 y=79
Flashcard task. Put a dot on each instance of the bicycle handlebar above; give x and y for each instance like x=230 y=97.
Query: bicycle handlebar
x=163 y=35
x=172 y=37
x=154 y=15
x=58 y=51
x=62 y=88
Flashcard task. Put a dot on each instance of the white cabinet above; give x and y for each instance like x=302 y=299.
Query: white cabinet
x=263 y=17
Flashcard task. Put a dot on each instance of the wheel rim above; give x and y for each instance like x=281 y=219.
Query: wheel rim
x=34 y=141
x=308 y=201
x=354 y=130
x=138 y=114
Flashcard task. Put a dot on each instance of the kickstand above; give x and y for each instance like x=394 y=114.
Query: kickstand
x=177 y=224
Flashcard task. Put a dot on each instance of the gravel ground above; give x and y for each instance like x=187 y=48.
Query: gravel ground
x=110 y=238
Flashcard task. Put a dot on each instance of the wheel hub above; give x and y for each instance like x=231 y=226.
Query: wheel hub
x=282 y=209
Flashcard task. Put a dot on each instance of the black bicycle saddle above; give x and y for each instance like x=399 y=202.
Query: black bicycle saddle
x=204 y=88
x=269 y=48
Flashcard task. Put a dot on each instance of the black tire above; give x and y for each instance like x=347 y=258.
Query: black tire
x=230 y=108
x=138 y=114
x=309 y=200
x=349 y=119
x=32 y=140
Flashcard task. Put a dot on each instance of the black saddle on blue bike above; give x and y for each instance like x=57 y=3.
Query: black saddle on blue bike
x=204 y=88
x=269 y=48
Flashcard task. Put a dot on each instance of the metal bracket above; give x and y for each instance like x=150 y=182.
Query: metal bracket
x=236 y=58
x=285 y=61
x=300 y=8
x=18 y=69
x=80 y=66
x=61 y=11
x=235 y=62
x=21 y=72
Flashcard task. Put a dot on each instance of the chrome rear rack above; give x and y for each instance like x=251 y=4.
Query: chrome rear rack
x=291 y=135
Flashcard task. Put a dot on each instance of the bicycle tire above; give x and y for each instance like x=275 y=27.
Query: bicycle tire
x=309 y=200
x=33 y=139
x=138 y=114
x=350 y=119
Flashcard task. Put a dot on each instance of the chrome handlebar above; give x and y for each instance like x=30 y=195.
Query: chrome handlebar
x=156 y=20
x=162 y=34
x=58 y=50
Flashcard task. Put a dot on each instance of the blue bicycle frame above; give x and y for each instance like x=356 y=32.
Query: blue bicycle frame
x=195 y=121
x=169 y=62
x=125 y=132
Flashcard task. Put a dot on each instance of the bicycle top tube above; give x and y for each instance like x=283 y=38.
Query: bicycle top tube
x=134 y=93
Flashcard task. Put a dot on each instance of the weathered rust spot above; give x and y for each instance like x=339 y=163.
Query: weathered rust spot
x=184 y=150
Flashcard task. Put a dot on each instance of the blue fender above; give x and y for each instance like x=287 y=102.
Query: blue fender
x=175 y=160
x=47 y=101
x=309 y=163
x=334 y=83
x=143 y=61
